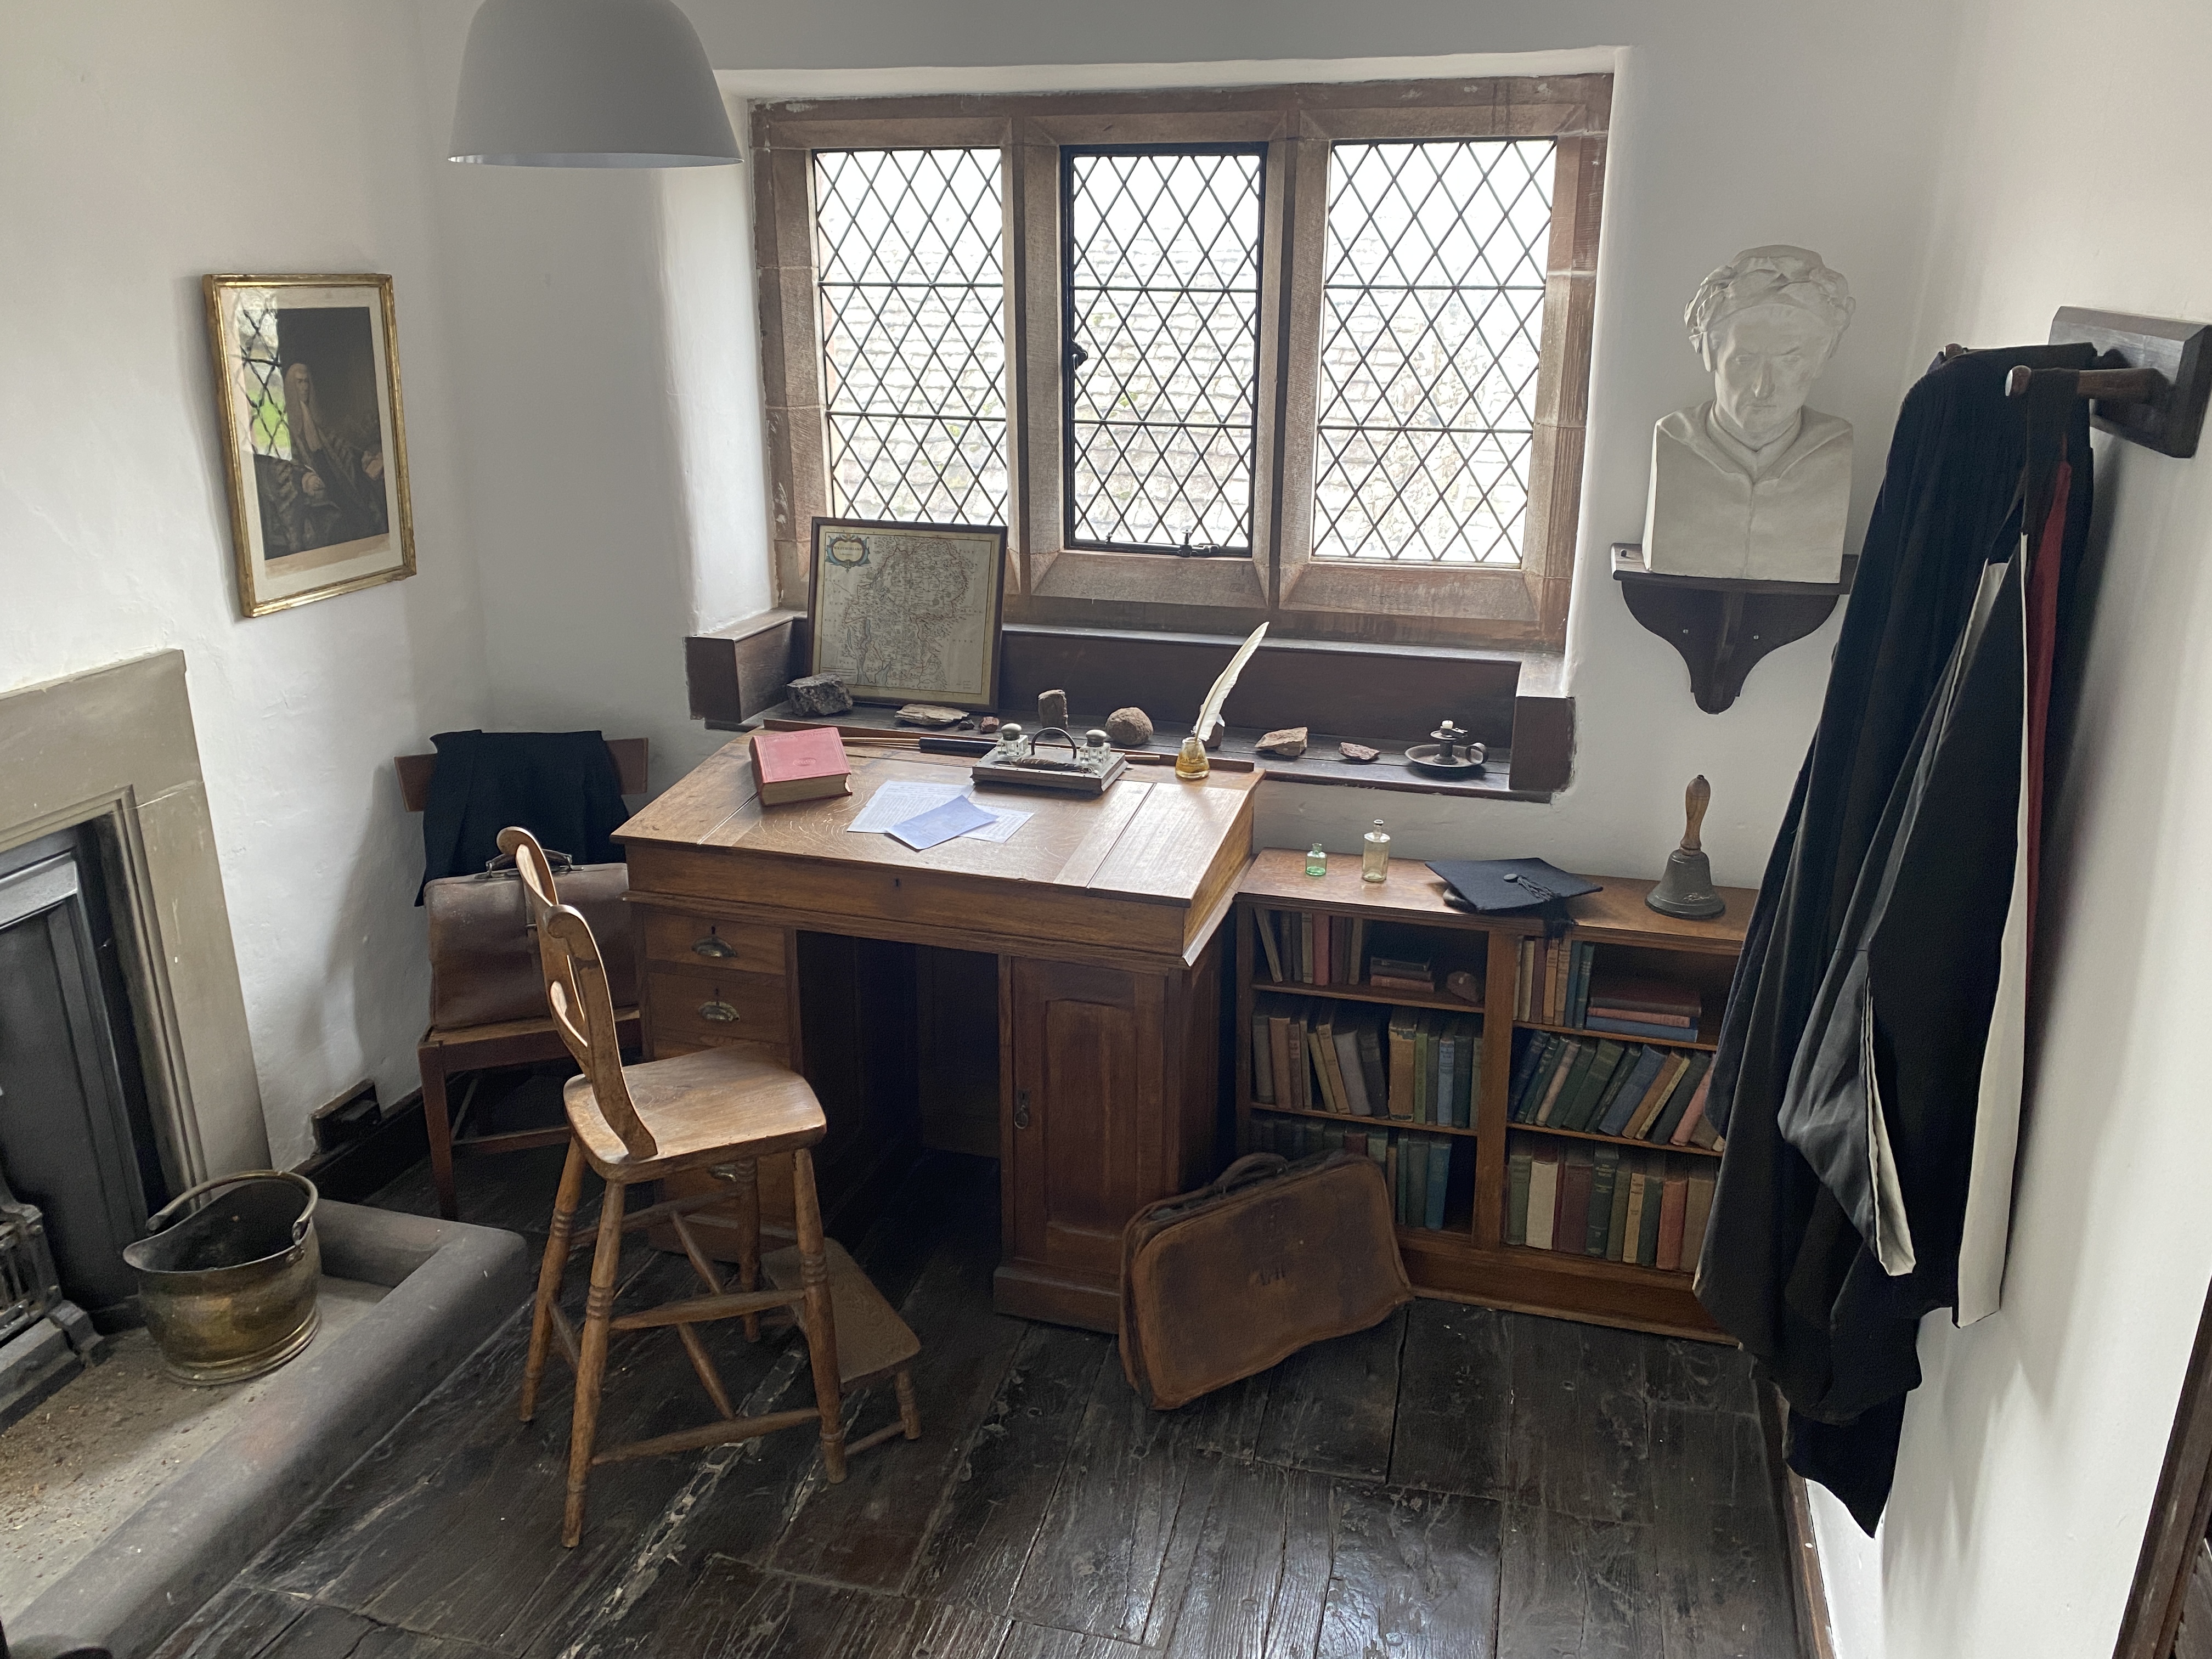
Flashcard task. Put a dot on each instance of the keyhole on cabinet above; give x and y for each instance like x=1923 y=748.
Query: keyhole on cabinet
x=1021 y=1108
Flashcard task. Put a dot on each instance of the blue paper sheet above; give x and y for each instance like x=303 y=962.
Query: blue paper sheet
x=941 y=823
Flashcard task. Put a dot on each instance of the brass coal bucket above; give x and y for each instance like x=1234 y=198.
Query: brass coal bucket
x=230 y=1290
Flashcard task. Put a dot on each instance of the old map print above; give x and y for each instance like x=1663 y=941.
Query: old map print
x=908 y=613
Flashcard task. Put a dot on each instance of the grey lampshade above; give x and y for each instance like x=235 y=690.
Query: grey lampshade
x=589 y=84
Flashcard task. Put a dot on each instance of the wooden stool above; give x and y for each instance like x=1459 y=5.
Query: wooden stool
x=720 y=1110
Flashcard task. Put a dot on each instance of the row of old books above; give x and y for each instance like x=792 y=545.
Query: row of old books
x=1419 y=1170
x=1606 y=1201
x=1416 y=1065
x=1556 y=984
x=1307 y=947
x=1636 y=1091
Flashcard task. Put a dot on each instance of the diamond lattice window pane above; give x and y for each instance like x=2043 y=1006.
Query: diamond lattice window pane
x=1432 y=313
x=1162 y=282
x=913 y=342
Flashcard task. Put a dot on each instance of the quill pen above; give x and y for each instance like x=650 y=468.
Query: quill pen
x=1209 y=712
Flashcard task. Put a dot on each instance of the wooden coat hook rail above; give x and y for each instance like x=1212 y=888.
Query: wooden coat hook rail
x=2149 y=382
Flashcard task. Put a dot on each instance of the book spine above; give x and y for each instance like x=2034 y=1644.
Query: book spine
x=1572 y=1058
x=1599 y=1225
x=1439 y=1190
x=1672 y=1201
x=1525 y=1060
x=1638 y=1028
x=1301 y=1089
x=1524 y=957
x=1695 y=1112
x=1632 y=1222
x=1697 y=1211
x=1641 y=1016
x=1575 y=1178
x=1517 y=1197
x=1616 y=1227
x=1543 y=1201
x=1262 y=1063
x=1263 y=923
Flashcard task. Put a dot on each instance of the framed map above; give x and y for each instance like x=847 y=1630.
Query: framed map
x=908 y=613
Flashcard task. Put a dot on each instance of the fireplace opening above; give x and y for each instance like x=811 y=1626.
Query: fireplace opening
x=77 y=1140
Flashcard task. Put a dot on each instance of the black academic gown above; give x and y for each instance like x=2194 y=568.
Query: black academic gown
x=1851 y=1052
x=560 y=786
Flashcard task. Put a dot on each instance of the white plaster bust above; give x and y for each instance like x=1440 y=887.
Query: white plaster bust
x=1752 y=482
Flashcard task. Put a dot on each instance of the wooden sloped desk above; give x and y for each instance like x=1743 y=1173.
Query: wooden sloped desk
x=1103 y=917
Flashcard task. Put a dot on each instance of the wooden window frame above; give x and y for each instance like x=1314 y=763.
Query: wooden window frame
x=1522 y=608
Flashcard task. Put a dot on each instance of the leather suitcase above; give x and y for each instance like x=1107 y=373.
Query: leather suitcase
x=1222 y=1283
x=484 y=957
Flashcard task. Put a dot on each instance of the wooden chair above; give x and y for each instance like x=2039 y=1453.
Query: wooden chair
x=464 y=1050
x=720 y=1111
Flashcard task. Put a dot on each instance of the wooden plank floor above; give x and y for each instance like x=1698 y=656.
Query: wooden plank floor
x=1456 y=1482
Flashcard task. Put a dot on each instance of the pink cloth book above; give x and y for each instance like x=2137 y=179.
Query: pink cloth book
x=1695 y=1114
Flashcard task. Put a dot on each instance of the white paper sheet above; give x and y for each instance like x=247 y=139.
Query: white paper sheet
x=901 y=799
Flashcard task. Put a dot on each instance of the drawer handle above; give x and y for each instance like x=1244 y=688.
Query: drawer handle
x=720 y=1012
x=711 y=946
x=1021 y=1109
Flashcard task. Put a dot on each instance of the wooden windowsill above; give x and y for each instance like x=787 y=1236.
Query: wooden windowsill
x=1318 y=765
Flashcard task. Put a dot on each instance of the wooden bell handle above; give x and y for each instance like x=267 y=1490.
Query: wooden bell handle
x=1695 y=799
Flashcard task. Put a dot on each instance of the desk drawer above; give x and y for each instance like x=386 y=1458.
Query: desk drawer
x=702 y=942
x=691 y=1008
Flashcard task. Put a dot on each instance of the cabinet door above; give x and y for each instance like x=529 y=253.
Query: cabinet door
x=1089 y=1139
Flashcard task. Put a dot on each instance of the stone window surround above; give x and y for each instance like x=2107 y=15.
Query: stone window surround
x=1521 y=608
x=114 y=747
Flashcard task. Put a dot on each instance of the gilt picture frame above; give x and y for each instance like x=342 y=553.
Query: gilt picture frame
x=908 y=613
x=314 y=438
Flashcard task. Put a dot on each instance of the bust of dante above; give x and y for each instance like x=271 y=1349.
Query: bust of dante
x=1752 y=482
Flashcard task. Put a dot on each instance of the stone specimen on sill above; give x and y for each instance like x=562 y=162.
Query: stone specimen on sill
x=931 y=715
x=817 y=694
x=1290 y=742
x=989 y=723
x=1358 y=753
x=1052 y=710
x=1465 y=986
x=1129 y=728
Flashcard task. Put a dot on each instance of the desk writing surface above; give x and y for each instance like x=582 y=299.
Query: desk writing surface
x=1152 y=840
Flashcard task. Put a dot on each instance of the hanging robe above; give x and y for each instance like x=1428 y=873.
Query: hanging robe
x=1869 y=1065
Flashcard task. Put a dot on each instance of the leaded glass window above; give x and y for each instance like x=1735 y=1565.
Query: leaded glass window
x=1433 y=317
x=914 y=344
x=1161 y=284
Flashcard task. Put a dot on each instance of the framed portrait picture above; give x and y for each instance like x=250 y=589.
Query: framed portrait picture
x=908 y=613
x=307 y=385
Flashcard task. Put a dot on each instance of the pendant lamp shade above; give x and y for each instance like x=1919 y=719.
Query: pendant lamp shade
x=589 y=84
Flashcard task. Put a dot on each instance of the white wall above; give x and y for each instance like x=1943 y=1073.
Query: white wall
x=2032 y=1450
x=142 y=147
x=1737 y=122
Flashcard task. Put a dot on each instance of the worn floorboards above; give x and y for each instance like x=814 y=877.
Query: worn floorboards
x=1454 y=1482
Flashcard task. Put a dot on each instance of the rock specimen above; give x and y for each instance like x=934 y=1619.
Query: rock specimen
x=1052 y=710
x=817 y=694
x=1129 y=728
x=935 y=715
x=1358 y=753
x=989 y=723
x=1290 y=742
x=1466 y=986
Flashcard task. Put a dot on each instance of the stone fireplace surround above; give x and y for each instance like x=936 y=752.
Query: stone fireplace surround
x=115 y=746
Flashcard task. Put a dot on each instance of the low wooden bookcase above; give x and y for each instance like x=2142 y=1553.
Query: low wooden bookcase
x=1469 y=1259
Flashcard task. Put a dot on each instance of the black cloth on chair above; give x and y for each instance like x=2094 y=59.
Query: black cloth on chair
x=560 y=786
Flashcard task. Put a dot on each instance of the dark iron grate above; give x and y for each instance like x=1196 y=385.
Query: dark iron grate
x=1160 y=275
x=913 y=342
x=1432 y=320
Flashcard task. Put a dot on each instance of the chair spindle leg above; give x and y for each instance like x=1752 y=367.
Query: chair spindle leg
x=748 y=1179
x=910 y=1412
x=598 y=1311
x=551 y=1269
x=821 y=1319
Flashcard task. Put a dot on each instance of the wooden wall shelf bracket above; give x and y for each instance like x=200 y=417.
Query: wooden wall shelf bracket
x=1723 y=625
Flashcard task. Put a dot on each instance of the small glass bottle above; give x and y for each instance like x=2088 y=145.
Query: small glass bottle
x=1190 y=758
x=1375 y=854
x=1316 y=861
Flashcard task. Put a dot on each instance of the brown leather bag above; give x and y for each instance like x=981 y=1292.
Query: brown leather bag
x=1222 y=1283
x=484 y=957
